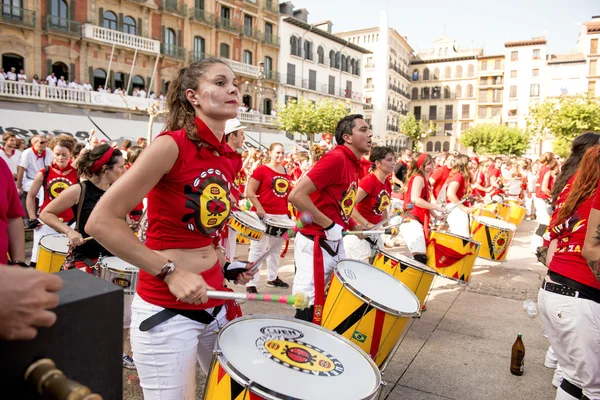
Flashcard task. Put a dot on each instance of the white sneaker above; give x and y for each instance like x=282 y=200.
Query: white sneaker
x=557 y=379
x=128 y=362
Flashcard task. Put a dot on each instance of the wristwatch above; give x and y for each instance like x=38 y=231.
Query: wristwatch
x=167 y=269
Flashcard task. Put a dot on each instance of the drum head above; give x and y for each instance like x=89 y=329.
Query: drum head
x=280 y=222
x=496 y=223
x=378 y=287
x=249 y=220
x=286 y=358
x=118 y=264
x=56 y=243
x=407 y=260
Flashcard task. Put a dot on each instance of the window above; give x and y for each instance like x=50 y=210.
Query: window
x=415 y=75
x=498 y=64
x=448 y=111
x=496 y=110
x=497 y=95
x=436 y=92
x=536 y=54
x=458 y=91
x=438 y=146
x=199 y=48
x=436 y=74
x=483 y=97
x=448 y=129
x=483 y=81
x=466 y=110
x=484 y=65
x=417 y=111
x=332 y=59
x=426 y=74
x=464 y=126
x=331 y=87
x=247 y=57
x=482 y=112
x=447 y=73
x=425 y=93
x=433 y=112
x=110 y=20
x=295 y=46
x=512 y=113
x=59 y=9
x=446 y=92
x=291 y=74
x=593 y=64
x=225 y=13
x=352 y=67
x=513 y=73
x=269 y=29
x=513 y=92
x=535 y=72
x=592 y=87
x=312 y=79
x=348 y=93
x=534 y=90
x=224 y=50
x=320 y=55
x=514 y=56
x=343 y=63
x=248 y=23
x=268 y=67
x=415 y=94
x=129 y=25
x=469 y=90
x=429 y=146
x=459 y=71
x=594 y=46
x=170 y=42
x=99 y=78
x=308 y=50
x=471 y=71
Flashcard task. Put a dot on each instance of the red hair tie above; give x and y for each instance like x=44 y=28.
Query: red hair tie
x=99 y=163
x=421 y=160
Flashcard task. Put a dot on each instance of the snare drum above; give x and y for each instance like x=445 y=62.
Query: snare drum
x=451 y=255
x=369 y=307
x=485 y=212
x=52 y=253
x=119 y=272
x=246 y=225
x=416 y=276
x=515 y=213
x=268 y=357
x=277 y=226
x=495 y=236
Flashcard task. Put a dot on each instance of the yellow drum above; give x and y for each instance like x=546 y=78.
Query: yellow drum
x=52 y=253
x=495 y=237
x=370 y=308
x=485 y=212
x=451 y=255
x=515 y=213
x=269 y=357
x=246 y=225
x=416 y=276
x=241 y=240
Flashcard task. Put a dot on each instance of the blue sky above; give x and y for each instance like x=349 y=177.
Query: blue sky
x=473 y=23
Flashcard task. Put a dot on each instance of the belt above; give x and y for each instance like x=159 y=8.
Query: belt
x=571 y=389
x=201 y=316
x=324 y=245
x=562 y=289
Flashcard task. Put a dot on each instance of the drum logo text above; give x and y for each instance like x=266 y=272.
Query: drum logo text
x=282 y=331
x=121 y=282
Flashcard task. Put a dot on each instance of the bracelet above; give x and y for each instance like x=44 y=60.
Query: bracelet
x=19 y=263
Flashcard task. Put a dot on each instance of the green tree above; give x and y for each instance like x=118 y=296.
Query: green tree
x=540 y=120
x=495 y=139
x=308 y=118
x=415 y=130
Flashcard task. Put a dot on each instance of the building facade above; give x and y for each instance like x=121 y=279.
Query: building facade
x=588 y=46
x=566 y=75
x=490 y=89
x=444 y=87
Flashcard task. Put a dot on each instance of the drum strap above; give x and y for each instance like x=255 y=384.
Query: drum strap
x=201 y=316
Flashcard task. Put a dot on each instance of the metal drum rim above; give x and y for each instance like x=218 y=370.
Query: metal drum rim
x=420 y=265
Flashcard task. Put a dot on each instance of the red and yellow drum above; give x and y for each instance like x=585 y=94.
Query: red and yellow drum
x=368 y=307
x=486 y=212
x=495 y=237
x=515 y=212
x=268 y=357
x=52 y=252
x=246 y=225
x=416 y=276
x=451 y=255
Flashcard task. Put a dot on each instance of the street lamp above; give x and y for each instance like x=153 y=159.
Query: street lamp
x=260 y=90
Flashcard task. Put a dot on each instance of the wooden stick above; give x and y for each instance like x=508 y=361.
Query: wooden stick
x=299 y=301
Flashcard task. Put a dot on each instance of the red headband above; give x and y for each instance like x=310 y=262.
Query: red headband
x=99 y=163
x=421 y=160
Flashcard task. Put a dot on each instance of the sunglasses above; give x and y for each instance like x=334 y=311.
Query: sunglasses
x=44 y=142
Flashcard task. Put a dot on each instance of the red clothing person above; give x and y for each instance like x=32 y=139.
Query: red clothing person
x=439 y=176
x=273 y=191
x=377 y=200
x=56 y=180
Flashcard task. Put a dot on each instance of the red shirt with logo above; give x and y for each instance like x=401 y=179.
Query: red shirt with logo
x=439 y=176
x=538 y=187
x=377 y=200
x=462 y=185
x=273 y=190
x=418 y=212
x=10 y=207
x=570 y=235
x=55 y=183
x=336 y=177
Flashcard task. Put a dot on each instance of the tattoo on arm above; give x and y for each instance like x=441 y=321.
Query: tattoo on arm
x=595 y=267
x=597 y=237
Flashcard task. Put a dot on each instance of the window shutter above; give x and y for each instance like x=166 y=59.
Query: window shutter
x=120 y=22
x=72 y=72
x=91 y=75
x=162 y=86
x=147 y=85
x=72 y=10
x=111 y=81
x=138 y=28
x=101 y=16
x=49 y=66
x=179 y=38
x=164 y=34
x=125 y=80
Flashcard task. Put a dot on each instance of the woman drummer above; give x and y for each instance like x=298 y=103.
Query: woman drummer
x=415 y=229
x=186 y=173
x=54 y=179
x=458 y=183
x=268 y=189
x=542 y=197
x=374 y=193
x=102 y=166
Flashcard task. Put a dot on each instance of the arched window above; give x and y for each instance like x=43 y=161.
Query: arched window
x=471 y=70
x=129 y=25
x=352 y=66
x=446 y=92
x=320 y=55
x=447 y=73
x=247 y=57
x=446 y=146
x=267 y=106
x=415 y=75
x=438 y=146
x=348 y=64
x=119 y=80
x=415 y=94
x=459 y=71
x=170 y=42
x=308 y=50
x=295 y=46
x=137 y=82
x=110 y=20
x=469 y=90
x=60 y=10
x=224 y=50
x=426 y=74
x=436 y=73
x=199 y=48
x=59 y=69
x=247 y=100
x=337 y=60
x=446 y=52
x=458 y=91
x=99 y=78
x=429 y=146
x=343 y=66
x=440 y=52
x=332 y=59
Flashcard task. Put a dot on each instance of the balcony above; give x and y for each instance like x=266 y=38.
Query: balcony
x=369 y=86
x=370 y=65
x=393 y=128
x=255 y=118
x=251 y=33
x=271 y=6
x=171 y=50
x=17 y=15
x=121 y=39
x=368 y=107
x=241 y=68
x=176 y=7
x=228 y=25
x=203 y=17
x=399 y=71
x=270 y=39
x=319 y=87
x=272 y=76
x=198 y=56
x=62 y=25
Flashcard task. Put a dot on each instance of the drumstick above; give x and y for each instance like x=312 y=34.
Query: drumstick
x=87 y=239
x=450 y=209
x=409 y=206
x=299 y=301
x=371 y=232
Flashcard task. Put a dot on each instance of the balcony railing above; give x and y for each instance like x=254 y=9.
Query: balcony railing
x=171 y=50
x=198 y=55
x=241 y=68
x=251 y=33
x=369 y=86
x=370 y=65
x=271 y=75
x=175 y=7
x=320 y=87
x=270 y=39
x=393 y=128
x=56 y=24
x=228 y=25
x=271 y=6
x=110 y=36
x=17 y=15
x=255 y=118
x=202 y=16
x=368 y=107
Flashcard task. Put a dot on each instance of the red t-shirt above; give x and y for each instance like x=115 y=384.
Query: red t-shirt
x=417 y=211
x=570 y=235
x=139 y=208
x=538 y=187
x=480 y=179
x=462 y=185
x=296 y=173
x=10 y=207
x=439 y=177
x=377 y=200
x=239 y=184
x=596 y=204
x=365 y=168
x=335 y=176
x=273 y=190
x=562 y=197
x=55 y=184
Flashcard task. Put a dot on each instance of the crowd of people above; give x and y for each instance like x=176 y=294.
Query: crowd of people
x=197 y=174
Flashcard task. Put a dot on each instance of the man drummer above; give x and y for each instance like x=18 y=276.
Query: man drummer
x=327 y=193
x=234 y=135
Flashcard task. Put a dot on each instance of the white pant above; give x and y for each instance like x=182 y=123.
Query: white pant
x=230 y=244
x=269 y=244
x=166 y=355
x=304 y=280
x=414 y=236
x=362 y=249
x=529 y=205
x=39 y=233
x=573 y=329
x=541 y=211
x=458 y=223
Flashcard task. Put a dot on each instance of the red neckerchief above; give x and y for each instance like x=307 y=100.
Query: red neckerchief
x=38 y=155
x=61 y=170
x=9 y=155
x=209 y=143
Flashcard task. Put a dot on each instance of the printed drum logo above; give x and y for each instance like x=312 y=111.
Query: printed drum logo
x=280 y=186
x=499 y=242
x=57 y=185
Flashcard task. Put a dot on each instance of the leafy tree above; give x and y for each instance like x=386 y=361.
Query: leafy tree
x=307 y=118
x=539 y=121
x=495 y=139
x=415 y=130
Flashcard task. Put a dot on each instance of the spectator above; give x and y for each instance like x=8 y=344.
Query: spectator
x=100 y=89
x=12 y=236
x=21 y=144
x=142 y=142
x=107 y=89
x=11 y=75
x=33 y=159
x=273 y=113
x=87 y=86
x=2 y=80
x=61 y=82
x=36 y=83
x=9 y=152
x=22 y=78
x=118 y=91
x=142 y=93
x=51 y=79
x=126 y=145
x=135 y=92
x=152 y=96
x=161 y=96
